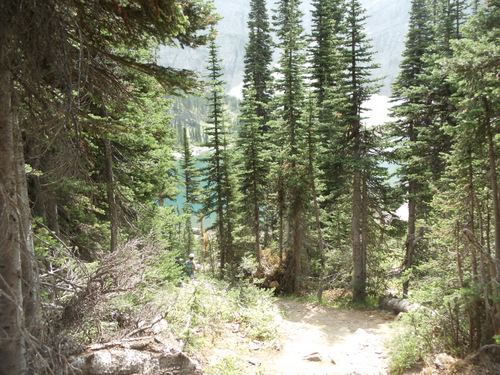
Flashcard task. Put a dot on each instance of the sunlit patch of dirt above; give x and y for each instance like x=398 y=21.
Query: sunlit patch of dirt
x=323 y=340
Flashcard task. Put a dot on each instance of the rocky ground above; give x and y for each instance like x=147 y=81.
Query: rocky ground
x=322 y=340
x=319 y=340
x=312 y=340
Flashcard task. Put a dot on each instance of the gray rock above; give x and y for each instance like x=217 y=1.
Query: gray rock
x=313 y=357
x=120 y=361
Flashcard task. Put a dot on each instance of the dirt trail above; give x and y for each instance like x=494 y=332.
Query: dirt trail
x=347 y=341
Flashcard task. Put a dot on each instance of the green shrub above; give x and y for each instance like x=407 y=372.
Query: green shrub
x=255 y=311
x=207 y=305
x=229 y=365
x=415 y=339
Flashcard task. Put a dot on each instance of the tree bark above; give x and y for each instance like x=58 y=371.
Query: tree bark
x=364 y=226
x=494 y=181
x=30 y=287
x=297 y=249
x=113 y=208
x=315 y=198
x=256 y=218
x=359 y=287
x=496 y=209
x=410 y=236
x=281 y=214
x=12 y=344
x=472 y=204
x=398 y=305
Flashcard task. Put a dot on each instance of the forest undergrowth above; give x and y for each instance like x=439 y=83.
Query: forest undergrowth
x=138 y=291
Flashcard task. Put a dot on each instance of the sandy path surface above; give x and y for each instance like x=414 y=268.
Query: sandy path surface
x=346 y=341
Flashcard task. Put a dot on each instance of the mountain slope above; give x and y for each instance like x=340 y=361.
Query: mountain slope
x=387 y=25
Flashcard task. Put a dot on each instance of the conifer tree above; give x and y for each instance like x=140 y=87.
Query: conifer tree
x=290 y=103
x=255 y=168
x=254 y=135
x=472 y=172
x=192 y=188
x=56 y=55
x=426 y=110
x=258 y=57
x=448 y=17
x=328 y=68
x=357 y=86
x=326 y=60
x=312 y=145
x=327 y=71
x=219 y=194
x=412 y=115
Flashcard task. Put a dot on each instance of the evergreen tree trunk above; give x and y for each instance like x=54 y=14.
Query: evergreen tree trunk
x=161 y=201
x=364 y=227
x=113 y=207
x=281 y=218
x=53 y=215
x=297 y=249
x=256 y=218
x=357 y=249
x=191 y=189
x=472 y=204
x=312 y=177
x=496 y=210
x=318 y=222
x=31 y=292
x=357 y=88
x=189 y=234
x=12 y=344
x=410 y=237
x=222 y=240
x=494 y=180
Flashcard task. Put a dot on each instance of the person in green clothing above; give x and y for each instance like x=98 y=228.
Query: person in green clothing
x=190 y=267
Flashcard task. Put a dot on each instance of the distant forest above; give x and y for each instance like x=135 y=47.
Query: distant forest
x=192 y=113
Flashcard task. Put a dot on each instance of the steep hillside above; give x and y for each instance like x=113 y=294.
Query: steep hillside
x=387 y=25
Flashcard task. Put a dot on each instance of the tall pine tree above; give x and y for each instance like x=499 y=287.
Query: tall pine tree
x=254 y=136
x=473 y=171
x=192 y=189
x=217 y=173
x=412 y=115
x=357 y=86
x=293 y=185
x=327 y=69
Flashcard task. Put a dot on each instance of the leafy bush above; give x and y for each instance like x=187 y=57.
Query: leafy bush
x=412 y=342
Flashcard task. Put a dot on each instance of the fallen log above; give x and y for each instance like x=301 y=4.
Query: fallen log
x=488 y=352
x=398 y=305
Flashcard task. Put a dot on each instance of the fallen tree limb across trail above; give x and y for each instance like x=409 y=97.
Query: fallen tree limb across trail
x=398 y=305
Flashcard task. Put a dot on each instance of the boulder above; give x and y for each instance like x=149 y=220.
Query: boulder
x=118 y=360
